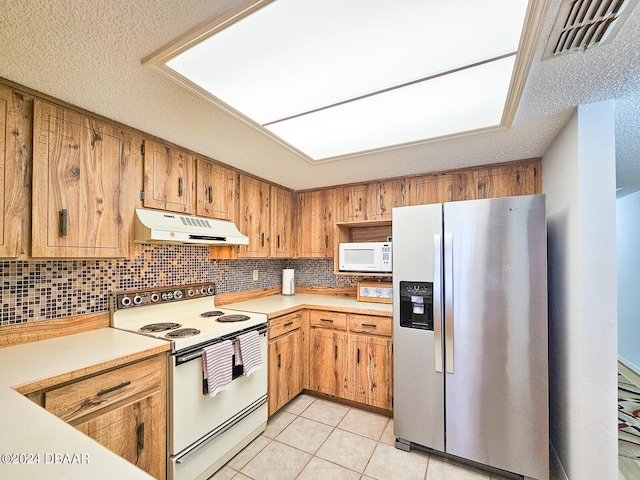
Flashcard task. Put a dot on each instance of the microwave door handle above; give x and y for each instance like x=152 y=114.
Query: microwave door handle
x=437 y=301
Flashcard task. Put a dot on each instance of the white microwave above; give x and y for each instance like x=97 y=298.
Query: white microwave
x=365 y=257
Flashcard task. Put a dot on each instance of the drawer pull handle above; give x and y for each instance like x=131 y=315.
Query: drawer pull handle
x=336 y=352
x=326 y=320
x=288 y=324
x=358 y=356
x=180 y=186
x=114 y=388
x=279 y=360
x=210 y=193
x=369 y=325
x=262 y=239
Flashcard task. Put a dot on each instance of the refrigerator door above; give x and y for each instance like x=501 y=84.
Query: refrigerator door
x=418 y=397
x=496 y=395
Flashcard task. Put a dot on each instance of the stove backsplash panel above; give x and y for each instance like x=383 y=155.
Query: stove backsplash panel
x=46 y=289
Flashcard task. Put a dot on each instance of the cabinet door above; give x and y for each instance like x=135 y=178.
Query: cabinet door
x=253 y=219
x=281 y=234
x=439 y=188
x=169 y=177
x=215 y=191
x=131 y=432
x=316 y=223
x=357 y=203
x=15 y=138
x=370 y=365
x=387 y=195
x=327 y=362
x=285 y=374
x=506 y=181
x=77 y=169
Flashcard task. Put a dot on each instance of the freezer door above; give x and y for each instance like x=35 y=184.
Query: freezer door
x=496 y=321
x=418 y=399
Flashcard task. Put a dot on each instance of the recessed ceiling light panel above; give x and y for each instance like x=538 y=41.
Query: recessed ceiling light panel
x=358 y=75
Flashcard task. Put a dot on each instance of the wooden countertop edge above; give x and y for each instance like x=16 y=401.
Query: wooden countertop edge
x=40 y=384
x=20 y=333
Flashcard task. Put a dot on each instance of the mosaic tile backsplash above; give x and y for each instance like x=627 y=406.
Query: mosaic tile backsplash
x=42 y=290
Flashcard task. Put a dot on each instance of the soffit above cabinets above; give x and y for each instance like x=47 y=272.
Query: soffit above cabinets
x=334 y=79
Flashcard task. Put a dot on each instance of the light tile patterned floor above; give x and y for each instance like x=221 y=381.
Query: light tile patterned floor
x=316 y=439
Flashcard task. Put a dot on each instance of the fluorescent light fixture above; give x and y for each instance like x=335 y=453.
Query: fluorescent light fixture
x=337 y=78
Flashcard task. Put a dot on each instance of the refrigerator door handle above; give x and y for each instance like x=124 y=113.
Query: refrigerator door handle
x=437 y=300
x=448 y=301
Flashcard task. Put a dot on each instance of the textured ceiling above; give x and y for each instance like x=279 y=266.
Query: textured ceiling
x=89 y=54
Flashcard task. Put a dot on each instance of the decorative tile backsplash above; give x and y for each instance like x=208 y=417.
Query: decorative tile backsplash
x=46 y=289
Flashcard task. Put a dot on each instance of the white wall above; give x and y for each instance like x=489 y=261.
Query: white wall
x=628 y=237
x=579 y=181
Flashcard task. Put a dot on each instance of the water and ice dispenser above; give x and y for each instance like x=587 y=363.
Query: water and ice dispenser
x=416 y=305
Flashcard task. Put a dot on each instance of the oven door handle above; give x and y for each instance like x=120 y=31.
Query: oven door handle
x=223 y=428
x=180 y=359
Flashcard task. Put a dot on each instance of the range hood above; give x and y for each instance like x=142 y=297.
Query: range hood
x=153 y=226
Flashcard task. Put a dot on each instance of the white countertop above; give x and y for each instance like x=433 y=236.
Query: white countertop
x=274 y=305
x=30 y=430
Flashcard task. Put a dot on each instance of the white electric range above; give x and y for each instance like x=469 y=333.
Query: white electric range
x=203 y=432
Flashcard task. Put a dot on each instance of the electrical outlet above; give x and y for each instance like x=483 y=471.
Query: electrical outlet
x=255 y=275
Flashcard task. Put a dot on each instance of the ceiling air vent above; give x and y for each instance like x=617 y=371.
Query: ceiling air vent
x=583 y=24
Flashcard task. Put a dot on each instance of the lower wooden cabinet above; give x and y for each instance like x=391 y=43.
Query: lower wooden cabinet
x=123 y=409
x=351 y=357
x=328 y=362
x=285 y=360
x=370 y=359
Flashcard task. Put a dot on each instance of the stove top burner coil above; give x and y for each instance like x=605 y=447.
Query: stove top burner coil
x=212 y=313
x=233 y=318
x=159 y=327
x=183 y=332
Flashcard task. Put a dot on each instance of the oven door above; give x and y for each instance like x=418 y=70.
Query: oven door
x=193 y=415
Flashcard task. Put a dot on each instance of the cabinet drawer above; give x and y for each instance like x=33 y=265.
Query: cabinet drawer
x=86 y=396
x=284 y=324
x=320 y=318
x=370 y=324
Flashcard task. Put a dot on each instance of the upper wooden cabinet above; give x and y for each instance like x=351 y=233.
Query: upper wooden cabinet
x=15 y=150
x=281 y=222
x=169 y=179
x=518 y=179
x=215 y=191
x=372 y=201
x=387 y=195
x=315 y=223
x=441 y=187
x=80 y=185
x=253 y=218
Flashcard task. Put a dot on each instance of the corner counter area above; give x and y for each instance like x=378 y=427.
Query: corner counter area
x=35 y=442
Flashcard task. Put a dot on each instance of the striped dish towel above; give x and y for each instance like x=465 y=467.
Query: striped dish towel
x=250 y=354
x=217 y=366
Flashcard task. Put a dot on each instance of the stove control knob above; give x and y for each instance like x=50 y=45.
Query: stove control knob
x=210 y=290
x=203 y=291
x=137 y=300
x=126 y=301
x=177 y=294
x=167 y=295
x=191 y=292
x=155 y=297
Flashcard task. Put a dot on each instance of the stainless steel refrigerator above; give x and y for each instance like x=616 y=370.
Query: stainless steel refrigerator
x=470 y=331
